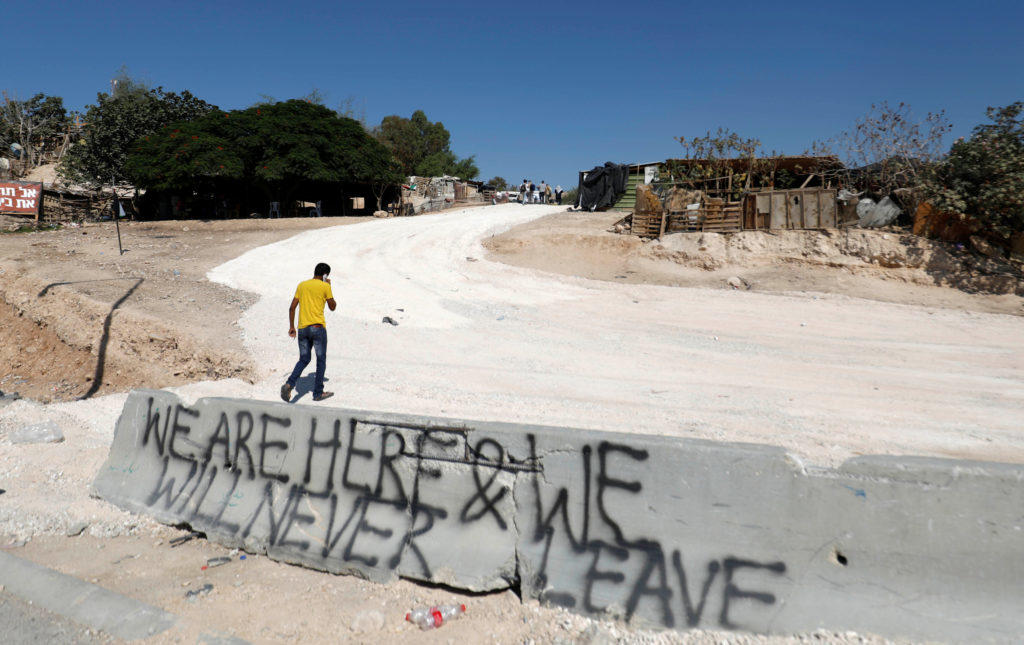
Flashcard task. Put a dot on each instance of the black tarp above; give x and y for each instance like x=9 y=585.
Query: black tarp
x=603 y=185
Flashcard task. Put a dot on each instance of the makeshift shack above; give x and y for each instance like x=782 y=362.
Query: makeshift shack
x=427 y=194
x=722 y=195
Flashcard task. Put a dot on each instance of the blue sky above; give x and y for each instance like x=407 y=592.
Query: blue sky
x=541 y=90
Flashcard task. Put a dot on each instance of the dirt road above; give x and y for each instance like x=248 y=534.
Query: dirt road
x=825 y=376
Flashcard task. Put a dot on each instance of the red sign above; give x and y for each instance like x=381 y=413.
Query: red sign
x=20 y=197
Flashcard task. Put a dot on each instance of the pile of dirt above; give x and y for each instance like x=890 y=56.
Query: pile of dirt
x=876 y=265
x=33 y=350
x=929 y=262
x=73 y=346
x=81 y=318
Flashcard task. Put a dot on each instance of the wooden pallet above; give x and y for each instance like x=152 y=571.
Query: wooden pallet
x=712 y=218
x=646 y=224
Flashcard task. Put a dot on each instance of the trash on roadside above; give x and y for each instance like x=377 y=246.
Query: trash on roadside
x=8 y=397
x=872 y=215
x=215 y=562
x=433 y=617
x=192 y=594
x=847 y=196
x=389 y=320
x=178 y=541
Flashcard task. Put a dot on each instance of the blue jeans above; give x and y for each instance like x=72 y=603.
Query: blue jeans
x=314 y=338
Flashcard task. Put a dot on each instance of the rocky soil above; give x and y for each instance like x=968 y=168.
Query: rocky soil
x=878 y=265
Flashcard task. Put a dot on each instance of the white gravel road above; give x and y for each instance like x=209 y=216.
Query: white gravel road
x=827 y=377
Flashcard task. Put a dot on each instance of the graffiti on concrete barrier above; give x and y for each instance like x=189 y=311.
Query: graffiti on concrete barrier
x=679 y=601
x=355 y=492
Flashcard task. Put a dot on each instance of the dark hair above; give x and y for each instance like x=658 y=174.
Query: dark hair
x=321 y=270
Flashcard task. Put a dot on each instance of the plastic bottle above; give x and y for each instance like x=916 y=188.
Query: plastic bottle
x=434 y=617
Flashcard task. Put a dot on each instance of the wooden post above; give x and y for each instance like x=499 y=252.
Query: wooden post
x=117 y=215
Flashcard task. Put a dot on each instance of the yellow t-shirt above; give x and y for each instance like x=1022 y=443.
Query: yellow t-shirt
x=312 y=294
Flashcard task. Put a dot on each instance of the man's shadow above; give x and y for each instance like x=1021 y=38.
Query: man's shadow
x=304 y=386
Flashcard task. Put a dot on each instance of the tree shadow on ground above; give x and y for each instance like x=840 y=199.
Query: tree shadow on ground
x=956 y=267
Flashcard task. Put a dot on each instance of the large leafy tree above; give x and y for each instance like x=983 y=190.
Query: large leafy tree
x=423 y=147
x=276 y=147
x=117 y=121
x=37 y=124
x=983 y=176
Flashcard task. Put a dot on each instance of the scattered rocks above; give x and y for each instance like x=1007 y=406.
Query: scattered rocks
x=985 y=247
x=76 y=529
x=46 y=432
x=389 y=320
x=381 y=214
x=737 y=282
x=596 y=635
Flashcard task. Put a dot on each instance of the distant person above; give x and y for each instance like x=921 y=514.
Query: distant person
x=543 y=188
x=558 y=194
x=548 y=194
x=523 y=199
x=533 y=192
x=310 y=297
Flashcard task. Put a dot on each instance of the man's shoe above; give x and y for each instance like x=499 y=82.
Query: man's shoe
x=286 y=393
x=324 y=395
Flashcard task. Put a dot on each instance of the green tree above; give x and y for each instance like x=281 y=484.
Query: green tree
x=446 y=163
x=38 y=125
x=116 y=122
x=499 y=183
x=983 y=176
x=422 y=147
x=275 y=147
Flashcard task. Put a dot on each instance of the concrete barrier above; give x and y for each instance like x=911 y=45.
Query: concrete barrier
x=658 y=531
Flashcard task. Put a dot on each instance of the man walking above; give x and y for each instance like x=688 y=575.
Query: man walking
x=310 y=297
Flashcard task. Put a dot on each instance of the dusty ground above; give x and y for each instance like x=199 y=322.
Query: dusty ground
x=875 y=265
x=801 y=360
x=168 y=323
x=267 y=602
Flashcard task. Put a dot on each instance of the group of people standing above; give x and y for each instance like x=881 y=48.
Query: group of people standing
x=531 y=193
